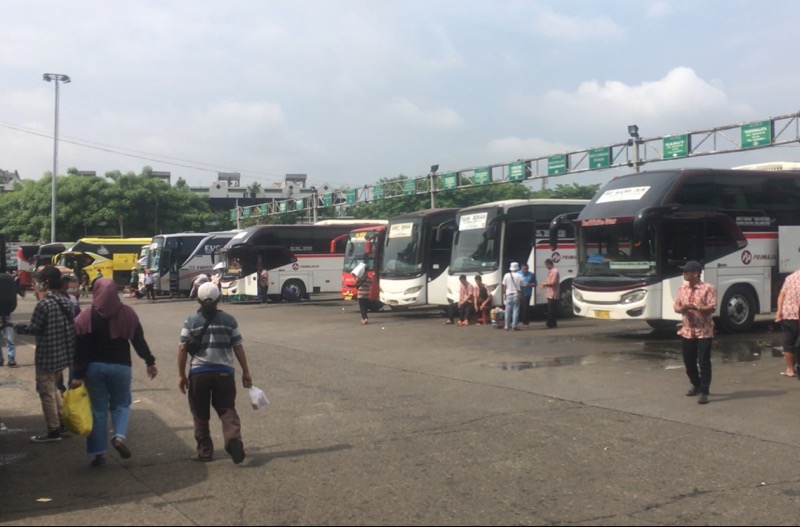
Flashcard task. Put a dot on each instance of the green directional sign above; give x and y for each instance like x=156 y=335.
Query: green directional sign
x=483 y=176
x=557 y=164
x=262 y=209
x=600 y=157
x=676 y=146
x=757 y=134
x=282 y=206
x=299 y=204
x=449 y=181
x=327 y=200
x=409 y=187
x=350 y=195
x=377 y=192
x=517 y=171
x=233 y=215
x=246 y=212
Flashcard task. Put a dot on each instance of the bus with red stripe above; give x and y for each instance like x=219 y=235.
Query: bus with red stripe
x=364 y=244
x=640 y=228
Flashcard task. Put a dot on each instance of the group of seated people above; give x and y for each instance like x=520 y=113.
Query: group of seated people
x=472 y=300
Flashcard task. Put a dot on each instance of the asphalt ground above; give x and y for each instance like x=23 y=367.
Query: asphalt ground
x=408 y=422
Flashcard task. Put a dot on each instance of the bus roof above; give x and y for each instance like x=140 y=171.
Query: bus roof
x=254 y=235
x=513 y=203
x=426 y=213
x=113 y=241
x=347 y=222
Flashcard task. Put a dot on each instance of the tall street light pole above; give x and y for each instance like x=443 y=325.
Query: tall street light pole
x=57 y=77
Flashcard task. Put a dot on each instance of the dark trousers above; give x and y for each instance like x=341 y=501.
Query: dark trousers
x=363 y=306
x=553 y=305
x=524 y=309
x=262 y=293
x=697 y=352
x=150 y=292
x=464 y=311
x=217 y=390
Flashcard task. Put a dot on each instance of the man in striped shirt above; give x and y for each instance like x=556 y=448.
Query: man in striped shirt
x=211 y=379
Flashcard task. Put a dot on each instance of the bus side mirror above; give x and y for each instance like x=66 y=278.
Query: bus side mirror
x=643 y=218
x=557 y=222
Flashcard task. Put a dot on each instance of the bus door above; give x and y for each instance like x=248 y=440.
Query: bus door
x=440 y=248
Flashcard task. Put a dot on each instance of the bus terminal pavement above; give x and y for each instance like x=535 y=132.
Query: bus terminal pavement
x=406 y=421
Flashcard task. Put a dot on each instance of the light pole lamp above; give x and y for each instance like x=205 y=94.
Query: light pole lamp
x=633 y=131
x=55 y=77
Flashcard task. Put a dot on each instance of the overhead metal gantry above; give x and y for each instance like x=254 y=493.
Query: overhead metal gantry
x=635 y=152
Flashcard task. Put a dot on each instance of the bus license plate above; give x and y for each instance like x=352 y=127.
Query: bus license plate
x=602 y=313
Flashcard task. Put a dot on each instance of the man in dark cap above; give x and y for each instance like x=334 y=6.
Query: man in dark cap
x=696 y=301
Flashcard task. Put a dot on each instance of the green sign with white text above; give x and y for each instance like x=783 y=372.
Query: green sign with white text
x=517 y=171
x=483 y=176
x=282 y=206
x=409 y=187
x=600 y=158
x=557 y=164
x=675 y=146
x=350 y=195
x=327 y=200
x=449 y=181
x=756 y=134
x=299 y=204
x=377 y=192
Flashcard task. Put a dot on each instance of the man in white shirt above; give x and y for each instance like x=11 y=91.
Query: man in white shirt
x=512 y=292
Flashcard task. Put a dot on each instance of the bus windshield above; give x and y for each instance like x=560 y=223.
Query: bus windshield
x=608 y=250
x=477 y=244
x=402 y=251
x=356 y=250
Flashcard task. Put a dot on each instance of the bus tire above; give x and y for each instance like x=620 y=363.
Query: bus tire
x=738 y=310
x=566 y=301
x=375 y=306
x=293 y=291
x=663 y=325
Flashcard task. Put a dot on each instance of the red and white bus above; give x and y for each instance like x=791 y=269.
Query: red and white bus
x=639 y=228
x=318 y=248
x=365 y=245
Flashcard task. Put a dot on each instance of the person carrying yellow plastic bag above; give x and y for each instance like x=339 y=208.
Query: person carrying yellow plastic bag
x=77 y=411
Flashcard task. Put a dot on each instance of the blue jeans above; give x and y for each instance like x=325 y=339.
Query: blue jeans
x=109 y=387
x=8 y=337
x=512 y=311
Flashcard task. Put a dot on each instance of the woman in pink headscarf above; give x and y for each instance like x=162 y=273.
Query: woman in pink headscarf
x=103 y=361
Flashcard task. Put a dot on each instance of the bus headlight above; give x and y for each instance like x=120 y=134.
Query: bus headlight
x=577 y=295
x=412 y=290
x=633 y=296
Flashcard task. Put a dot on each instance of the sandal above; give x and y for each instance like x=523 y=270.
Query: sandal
x=99 y=460
x=201 y=457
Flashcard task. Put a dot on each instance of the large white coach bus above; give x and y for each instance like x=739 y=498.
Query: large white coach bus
x=639 y=228
x=492 y=235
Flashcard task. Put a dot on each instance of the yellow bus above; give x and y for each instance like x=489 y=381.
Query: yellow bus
x=113 y=258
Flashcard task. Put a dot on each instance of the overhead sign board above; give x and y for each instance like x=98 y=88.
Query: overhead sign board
x=483 y=176
x=676 y=146
x=449 y=181
x=377 y=192
x=409 y=187
x=558 y=164
x=757 y=134
x=600 y=157
x=517 y=171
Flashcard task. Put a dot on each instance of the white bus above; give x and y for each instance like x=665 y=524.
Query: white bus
x=318 y=248
x=414 y=258
x=492 y=235
x=168 y=252
x=641 y=227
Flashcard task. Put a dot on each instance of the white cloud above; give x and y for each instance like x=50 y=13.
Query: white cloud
x=405 y=112
x=562 y=27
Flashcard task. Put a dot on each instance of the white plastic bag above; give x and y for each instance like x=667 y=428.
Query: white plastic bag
x=358 y=270
x=257 y=397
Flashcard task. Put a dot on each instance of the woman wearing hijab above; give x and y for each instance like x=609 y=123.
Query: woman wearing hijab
x=103 y=361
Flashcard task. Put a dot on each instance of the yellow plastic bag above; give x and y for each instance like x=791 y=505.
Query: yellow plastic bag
x=77 y=411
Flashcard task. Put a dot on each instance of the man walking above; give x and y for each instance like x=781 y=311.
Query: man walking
x=148 y=285
x=552 y=287
x=788 y=315
x=696 y=301
x=52 y=324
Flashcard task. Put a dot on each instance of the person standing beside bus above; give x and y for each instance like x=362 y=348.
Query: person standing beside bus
x=512 y=287
x=696 y=301
x=483 y=301
x=148 y=285
x=528 y=283
x=552 y=287
x=263 y=284
x=788 y=315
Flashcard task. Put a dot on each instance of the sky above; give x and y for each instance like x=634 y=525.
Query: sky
x=350 y=92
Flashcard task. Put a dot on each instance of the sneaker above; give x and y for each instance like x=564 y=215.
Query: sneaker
x=694 y=390
x=11 y=364
x=236 y=450
x=703 y=399
x=47 y=437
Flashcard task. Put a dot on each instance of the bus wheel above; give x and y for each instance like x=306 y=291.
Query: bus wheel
x=738 y=309
x=375 y=306
x=566 y=301
x=293 y=291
